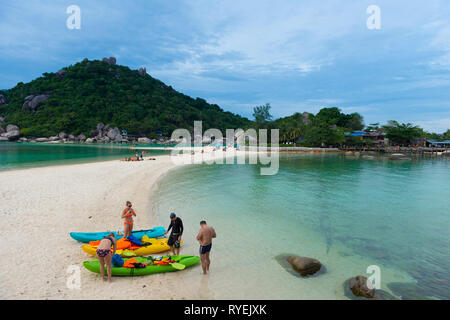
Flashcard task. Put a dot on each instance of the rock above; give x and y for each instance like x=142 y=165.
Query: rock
x=118 y=138
x=53 y=138
x=12 y=127
x=2 y=130
x=60 y=74
x=100 y=126
x=110 y=60
x=31 y=102
x=304 y=265
x=42 y=140
x=142 y=71
x=3 y=100
x=305 y=118
x=2 y=120
x=11 y=135
x=399 y=156
x=62 y=135
x=71 y=137
x=360 y=288
x=113 y=133
x=144 y=140
x=3 y=139
x=81 y=137
x=90 y=140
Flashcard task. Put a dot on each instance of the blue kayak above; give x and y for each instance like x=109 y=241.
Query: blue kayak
x=94 y=236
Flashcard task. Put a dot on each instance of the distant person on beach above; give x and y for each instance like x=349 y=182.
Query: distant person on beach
x=174 y=241
x=127 y=215
x=104 y=254
x=204 y=237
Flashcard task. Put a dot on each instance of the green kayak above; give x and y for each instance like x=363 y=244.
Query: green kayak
x=94 y=266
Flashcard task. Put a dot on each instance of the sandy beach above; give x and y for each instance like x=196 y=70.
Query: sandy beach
x=40 y=206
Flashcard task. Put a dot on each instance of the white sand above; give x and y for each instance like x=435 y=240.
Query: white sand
x=39 y=207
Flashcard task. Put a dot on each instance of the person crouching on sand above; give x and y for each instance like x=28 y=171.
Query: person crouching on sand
x=104 y=254
x=127 y=215
x=204 y=237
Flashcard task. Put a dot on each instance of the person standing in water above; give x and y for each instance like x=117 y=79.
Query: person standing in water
x=127 y=215
x=204 y=237
x=174 y=241
x=104 y=254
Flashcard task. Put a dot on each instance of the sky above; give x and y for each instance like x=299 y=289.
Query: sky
x=297 y=55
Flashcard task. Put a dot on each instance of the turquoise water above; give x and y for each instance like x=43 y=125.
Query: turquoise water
x=26 y=155
x=348 y=213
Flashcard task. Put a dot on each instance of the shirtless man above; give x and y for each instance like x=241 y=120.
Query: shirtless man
x=204 y=237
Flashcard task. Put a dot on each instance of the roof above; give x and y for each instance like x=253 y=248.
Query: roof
x=434 y=141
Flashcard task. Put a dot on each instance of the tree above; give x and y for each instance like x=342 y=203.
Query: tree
x=262 y=115
x=324 y=135
x=402 y=133
x=447 y=135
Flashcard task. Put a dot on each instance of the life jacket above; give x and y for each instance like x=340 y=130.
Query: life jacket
x=133 y=263
x=123 y=244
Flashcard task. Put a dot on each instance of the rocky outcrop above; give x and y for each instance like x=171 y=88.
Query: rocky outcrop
x=2 y=120
x=106 y=134
x=2 y=130
x=90 y=140
x=42 y=140
x=53 y=138
x=305 y=118
x=11 y=132
x=142 y=71
x=81 y=137
x=60 y=74
x=31 y=102
x=110 y=60
x=304 y=265
x=3 y=100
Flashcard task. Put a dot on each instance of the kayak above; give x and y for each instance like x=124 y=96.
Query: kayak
x=94 y=236
x=187 y=261
x=156 y=246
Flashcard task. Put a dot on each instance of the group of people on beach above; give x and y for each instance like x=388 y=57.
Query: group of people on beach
x=204 y=237
x=137 y=157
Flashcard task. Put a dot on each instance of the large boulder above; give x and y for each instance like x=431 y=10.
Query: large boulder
x=53 y=138
x=2 y=130
x=3 y=139
x=144 y=140
x=81 y=137
x=31 y=102
x=12 y=127
x=2 y=120
x=90 y=140
x=42 y=140
x=60 y=74
x=142 y=71
x=360 y=287
x=71 y=137
x=110 y=60
x=113 y=133
x=304 y=265
x=62 y=135
x=3 y=100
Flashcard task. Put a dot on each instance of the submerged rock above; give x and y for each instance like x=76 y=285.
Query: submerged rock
x=144 y=140
x=360 y=287
x=304 y=265
x=399 y=156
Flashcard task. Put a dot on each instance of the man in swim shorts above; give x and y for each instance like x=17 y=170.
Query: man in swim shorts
x=174 y=241
x=204 y=237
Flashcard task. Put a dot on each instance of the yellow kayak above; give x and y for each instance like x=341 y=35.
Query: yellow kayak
x=157 y=246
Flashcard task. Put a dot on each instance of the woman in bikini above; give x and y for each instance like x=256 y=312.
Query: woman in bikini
x=104 y=254
x=127 y=215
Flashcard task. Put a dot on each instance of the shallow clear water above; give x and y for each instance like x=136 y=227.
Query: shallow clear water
x=25 y=155
x=348 y=213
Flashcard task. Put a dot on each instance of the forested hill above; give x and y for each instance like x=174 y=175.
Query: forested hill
x=77 y=97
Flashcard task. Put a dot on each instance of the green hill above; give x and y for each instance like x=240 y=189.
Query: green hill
x=76 y=98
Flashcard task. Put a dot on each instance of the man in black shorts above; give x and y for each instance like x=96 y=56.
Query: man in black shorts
x=174 y=240
x=204 y=237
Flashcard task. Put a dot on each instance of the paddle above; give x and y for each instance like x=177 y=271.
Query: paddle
x=178 y=266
